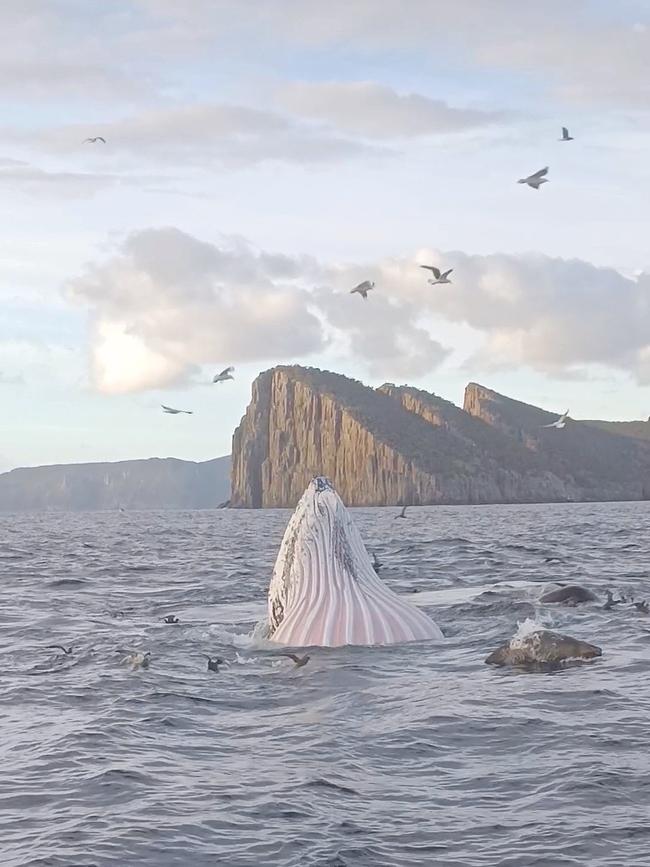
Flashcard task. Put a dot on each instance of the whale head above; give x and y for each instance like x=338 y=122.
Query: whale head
x=324 y=590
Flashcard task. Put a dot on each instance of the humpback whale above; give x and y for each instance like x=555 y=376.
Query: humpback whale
x=324 y=590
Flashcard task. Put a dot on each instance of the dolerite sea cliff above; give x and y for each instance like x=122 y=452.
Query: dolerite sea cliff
x=400 y=445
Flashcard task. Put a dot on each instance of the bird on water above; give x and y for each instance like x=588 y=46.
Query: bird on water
x=299 y=660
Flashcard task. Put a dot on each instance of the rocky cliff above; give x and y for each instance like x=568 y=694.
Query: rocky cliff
x=598 y=460
x=396 y=445
x=156 y=483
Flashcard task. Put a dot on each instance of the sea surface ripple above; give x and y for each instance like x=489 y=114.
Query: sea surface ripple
x=387 y=757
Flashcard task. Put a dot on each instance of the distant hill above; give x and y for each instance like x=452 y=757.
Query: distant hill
x=639 y=430
x=155 y=483
x=400 y=445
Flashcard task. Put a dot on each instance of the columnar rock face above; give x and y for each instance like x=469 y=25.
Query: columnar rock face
x=396 y=445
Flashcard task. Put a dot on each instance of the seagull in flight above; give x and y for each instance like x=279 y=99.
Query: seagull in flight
x=363 y=288
x=224 y=375
x=560 y=423
x=441 y=277
x=535 y=180
x=172 y=411
x=95 y=139
x=565 y=135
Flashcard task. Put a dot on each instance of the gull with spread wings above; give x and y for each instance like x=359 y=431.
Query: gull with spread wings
x=441 y=276
x=224 y=375
x=536 y=179
x=560 y=423
x=172 y=411
x=363 y=288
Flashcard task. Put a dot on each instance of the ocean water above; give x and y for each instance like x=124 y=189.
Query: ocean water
x=387 y=757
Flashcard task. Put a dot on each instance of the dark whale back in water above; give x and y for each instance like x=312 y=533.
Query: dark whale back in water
x=542 y=647
x=571 y=595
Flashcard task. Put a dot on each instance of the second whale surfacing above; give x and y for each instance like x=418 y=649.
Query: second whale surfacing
x=324 y=590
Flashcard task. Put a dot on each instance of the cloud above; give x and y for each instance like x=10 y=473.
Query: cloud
x=205 y=135
x=168 y=303
x=374 y=111
x=19 y=175
x=547 y=313
x=582 y=51
x=385 y=334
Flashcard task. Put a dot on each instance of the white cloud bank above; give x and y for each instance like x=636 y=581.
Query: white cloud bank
x=373 y=110
x=168 y=303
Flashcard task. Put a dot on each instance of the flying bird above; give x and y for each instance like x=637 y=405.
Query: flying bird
x=224 y=375
x=172 y=411
x=299 y=660
x=560 y=423
x=66 y=650
x=565 y=135
x=402 y=514
x=95 y=139
x=535 y=180
x=441 y=277
x=363 y=288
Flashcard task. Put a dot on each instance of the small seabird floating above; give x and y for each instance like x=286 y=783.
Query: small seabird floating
x=224 y=375
x=66 y=650
x=171 y=618
x=172 y=411
x=565 y=135
x=363 y=288
x=535 y=180
x=440 y=276
x=299 y=660
x=560 y=423
x=213 y=664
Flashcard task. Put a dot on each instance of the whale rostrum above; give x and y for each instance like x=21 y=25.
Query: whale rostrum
x=324 y=590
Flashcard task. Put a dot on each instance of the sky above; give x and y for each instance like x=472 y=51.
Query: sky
x=262 y=158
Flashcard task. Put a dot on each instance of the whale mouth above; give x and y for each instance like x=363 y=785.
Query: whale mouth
x=324 y=590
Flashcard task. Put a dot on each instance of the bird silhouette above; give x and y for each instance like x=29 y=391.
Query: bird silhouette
x=441 y=276
x=363 y=288
x=224 y=375
x=299 y=660
x=213 y=664
x=536 y=179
